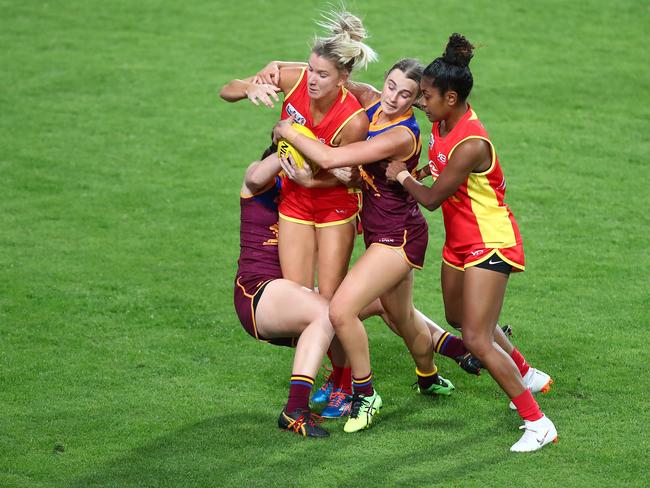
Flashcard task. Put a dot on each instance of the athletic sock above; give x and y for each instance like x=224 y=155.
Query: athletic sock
x=527 y=406
x=299 y=390
x=425 y=380
x=335 y=375
x=520 y=361
x=451 y=346
x=363 y=385
x=346 y=381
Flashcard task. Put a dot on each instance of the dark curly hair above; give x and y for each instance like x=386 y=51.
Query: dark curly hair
x=451 y=70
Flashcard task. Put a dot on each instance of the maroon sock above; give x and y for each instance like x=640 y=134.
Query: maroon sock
x=425 y=380
x=299 y=391
x=451 y=346
x=520 y=361
x=363 y=385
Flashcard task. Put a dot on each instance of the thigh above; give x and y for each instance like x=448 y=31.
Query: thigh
x=451 y=280
x=378 y=270
x=297 y=250
x=398 y=301
x=483 y=294
x=335 y=244
x=285 y=309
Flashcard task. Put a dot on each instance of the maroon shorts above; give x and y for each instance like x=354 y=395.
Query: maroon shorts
x=411 y=242
x=245 y=305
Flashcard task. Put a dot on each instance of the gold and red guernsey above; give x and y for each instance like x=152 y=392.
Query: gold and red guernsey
x=297 y=103
x=476 y=215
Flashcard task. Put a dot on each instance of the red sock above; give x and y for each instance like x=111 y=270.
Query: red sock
x=527 y=406
x=520 y=361
x=346 y=381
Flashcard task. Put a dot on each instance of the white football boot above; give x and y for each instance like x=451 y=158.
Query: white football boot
x=536 y=435
x=536 y=381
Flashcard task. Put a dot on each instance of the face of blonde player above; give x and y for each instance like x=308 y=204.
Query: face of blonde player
x=323 y=78
x=398 y=94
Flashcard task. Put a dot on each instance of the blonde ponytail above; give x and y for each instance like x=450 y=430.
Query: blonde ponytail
x=344 y=45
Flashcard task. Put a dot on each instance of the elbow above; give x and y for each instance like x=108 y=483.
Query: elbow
x=430 y=205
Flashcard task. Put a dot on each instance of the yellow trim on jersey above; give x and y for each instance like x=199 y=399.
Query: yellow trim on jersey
x=304 y=70
x=417 y=143
x=345 y=93
x=297 y=221
x=494 y=155
x=493 y=219
x=374 y=126
x=343 y=125
x=473 y=116
x=372 y=104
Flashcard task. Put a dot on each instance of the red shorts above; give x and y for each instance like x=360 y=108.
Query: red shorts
x=514 y=256
x=245 y=304
x=320 y=207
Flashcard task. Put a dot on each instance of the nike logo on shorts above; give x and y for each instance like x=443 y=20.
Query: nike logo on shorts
x=494 y=262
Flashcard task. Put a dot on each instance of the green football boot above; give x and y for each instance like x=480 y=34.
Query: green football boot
x=443 y=387
x=362 y=411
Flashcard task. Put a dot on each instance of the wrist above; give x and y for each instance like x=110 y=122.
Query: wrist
x=402 y=175
x=290 y=135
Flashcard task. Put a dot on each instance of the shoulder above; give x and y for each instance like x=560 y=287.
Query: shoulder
x=289 y=78
x=357 y=126
x=472 y=151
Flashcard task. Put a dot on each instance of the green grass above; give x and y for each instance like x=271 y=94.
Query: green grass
x=121 y=359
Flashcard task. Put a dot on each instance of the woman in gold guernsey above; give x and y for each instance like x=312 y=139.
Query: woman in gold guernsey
x=483 y=245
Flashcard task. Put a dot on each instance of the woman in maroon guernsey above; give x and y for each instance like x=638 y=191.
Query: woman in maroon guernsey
x=274 y=309
x=395 y=234
x=483 y=245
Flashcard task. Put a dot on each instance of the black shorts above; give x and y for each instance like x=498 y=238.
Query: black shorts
x=495 y=263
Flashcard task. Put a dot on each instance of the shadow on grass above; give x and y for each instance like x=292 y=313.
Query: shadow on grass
x=240 y=449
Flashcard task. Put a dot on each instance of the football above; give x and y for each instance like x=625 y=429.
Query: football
x=284 y=148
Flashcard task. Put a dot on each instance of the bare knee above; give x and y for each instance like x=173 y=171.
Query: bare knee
x=339 y=315
x=478 y=344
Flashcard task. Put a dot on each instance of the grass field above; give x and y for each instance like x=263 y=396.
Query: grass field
x=122 y=362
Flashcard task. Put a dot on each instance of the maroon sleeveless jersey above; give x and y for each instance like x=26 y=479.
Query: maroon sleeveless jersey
x=258 y=239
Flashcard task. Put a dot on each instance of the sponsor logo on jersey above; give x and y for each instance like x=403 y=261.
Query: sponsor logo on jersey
x=442 y=158
x=291 y=110
x=502 y=185
x=431 y=141
x=321 y=140
x=435 y=172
